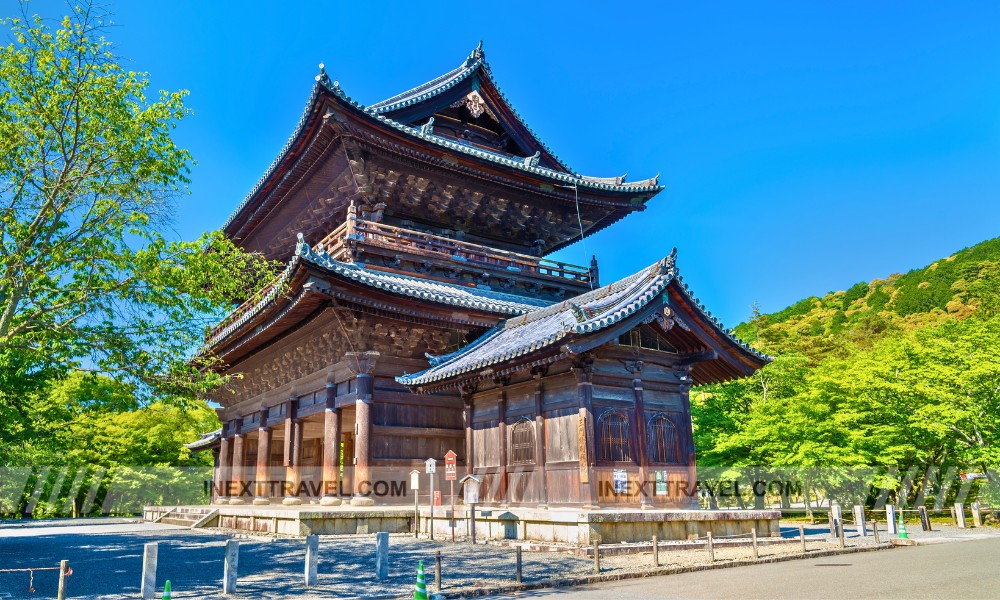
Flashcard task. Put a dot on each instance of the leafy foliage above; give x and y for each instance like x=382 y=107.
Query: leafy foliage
x=891 y=374
x=88 y=174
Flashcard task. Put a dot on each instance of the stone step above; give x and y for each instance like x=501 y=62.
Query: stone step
x=179 y=521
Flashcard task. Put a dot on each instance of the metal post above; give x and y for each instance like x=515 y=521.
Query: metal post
x=802 y=537
x=656 y=552
x=597 y=557
x=452 y=519
x=416 y=513
x=437 y=569
x=312 y=559
x=432 y=506
x=63 y=568
x=517 y=566
x=230 y=566
x=149 y=554
x=711 y=548
x=753 y=537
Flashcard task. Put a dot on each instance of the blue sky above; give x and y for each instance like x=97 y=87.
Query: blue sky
x=804 y=146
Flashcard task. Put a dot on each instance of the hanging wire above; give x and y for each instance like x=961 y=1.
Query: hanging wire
x=579 y=221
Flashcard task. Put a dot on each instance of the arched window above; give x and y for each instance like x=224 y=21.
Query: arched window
x=613 y=438
x=664 y=444
x=522 y=443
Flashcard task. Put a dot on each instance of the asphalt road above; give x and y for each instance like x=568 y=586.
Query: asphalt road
x=968 y=569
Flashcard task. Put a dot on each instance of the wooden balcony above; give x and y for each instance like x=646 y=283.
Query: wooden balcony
x=369 y=237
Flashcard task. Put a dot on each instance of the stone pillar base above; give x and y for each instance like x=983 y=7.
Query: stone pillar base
x=261 y=501
x=646 y=506
x=330 y=501
x=291 y=501
x=362 y=501
x=222 y=501
x=237 y=501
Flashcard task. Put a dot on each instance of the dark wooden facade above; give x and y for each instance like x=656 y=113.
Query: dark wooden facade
x=418 y=226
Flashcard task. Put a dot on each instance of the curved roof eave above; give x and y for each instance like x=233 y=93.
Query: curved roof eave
x=649 y=187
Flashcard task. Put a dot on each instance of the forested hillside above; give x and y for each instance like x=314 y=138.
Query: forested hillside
x=899 y=372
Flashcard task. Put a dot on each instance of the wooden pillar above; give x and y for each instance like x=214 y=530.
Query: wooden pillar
x=293 y=452
x=262 y=492
x=583 y=369
x=502 y=420
x=362 y=364
x=470 y=465
x=541 y=480
x=687 y=431
x=640 y=438
x=225 y=467
x=331 y=449
x=239 y=464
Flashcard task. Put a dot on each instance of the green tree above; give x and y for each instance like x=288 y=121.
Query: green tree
x=88 y=177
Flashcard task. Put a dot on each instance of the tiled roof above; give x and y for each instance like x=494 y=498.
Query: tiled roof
x=206 y=441
x=432 y=88
x=487 y=300
x=422 y=289
x=525 y=163
x=584 y=314
x=439 y=85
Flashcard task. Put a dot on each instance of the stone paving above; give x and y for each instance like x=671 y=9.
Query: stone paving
x=106 y=556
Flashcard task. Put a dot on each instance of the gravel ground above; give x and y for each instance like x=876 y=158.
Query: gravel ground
x=107 y=560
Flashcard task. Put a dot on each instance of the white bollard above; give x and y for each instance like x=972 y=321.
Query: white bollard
x=977 y=514
x=229 y=569
x=960 y=514
x=859 y=520
x=149 y=554
x=382 y=555
x=837 y=513
x=890 y=519
x=312 y=559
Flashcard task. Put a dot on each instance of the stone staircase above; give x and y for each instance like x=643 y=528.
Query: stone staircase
x=188 y=516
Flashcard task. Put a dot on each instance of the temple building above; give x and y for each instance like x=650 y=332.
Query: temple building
x=418 y=313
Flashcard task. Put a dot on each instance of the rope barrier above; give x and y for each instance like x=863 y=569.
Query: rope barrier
x=31 y=575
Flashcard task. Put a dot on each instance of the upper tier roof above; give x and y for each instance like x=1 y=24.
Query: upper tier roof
x=384 y=118
x=567 y=327
x=475 y=74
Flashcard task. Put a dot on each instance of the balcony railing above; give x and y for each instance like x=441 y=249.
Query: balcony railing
x=368 y=233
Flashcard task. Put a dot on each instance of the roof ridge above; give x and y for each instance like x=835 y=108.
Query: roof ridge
x=435 y=86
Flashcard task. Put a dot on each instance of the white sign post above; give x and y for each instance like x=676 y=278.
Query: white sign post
x=415 y=488
x=431 y=468
x=470 y=489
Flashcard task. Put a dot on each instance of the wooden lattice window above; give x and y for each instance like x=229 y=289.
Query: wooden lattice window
x=664 y=443
x=613 y=438
x=522 y=443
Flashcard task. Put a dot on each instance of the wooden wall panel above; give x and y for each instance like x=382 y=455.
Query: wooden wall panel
x=521 y=487
x=405 y=415
x=564 y=486
x=486 y=444
x=561 y=436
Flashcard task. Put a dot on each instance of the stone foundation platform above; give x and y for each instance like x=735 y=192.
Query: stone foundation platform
x=574 y=526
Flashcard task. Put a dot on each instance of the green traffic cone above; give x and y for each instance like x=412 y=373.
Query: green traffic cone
x=166 y=591
x=902 y=528
x=420 y=592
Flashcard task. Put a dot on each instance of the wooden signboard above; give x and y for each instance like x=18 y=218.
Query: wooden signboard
x=450 y=466
x=581 y=432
